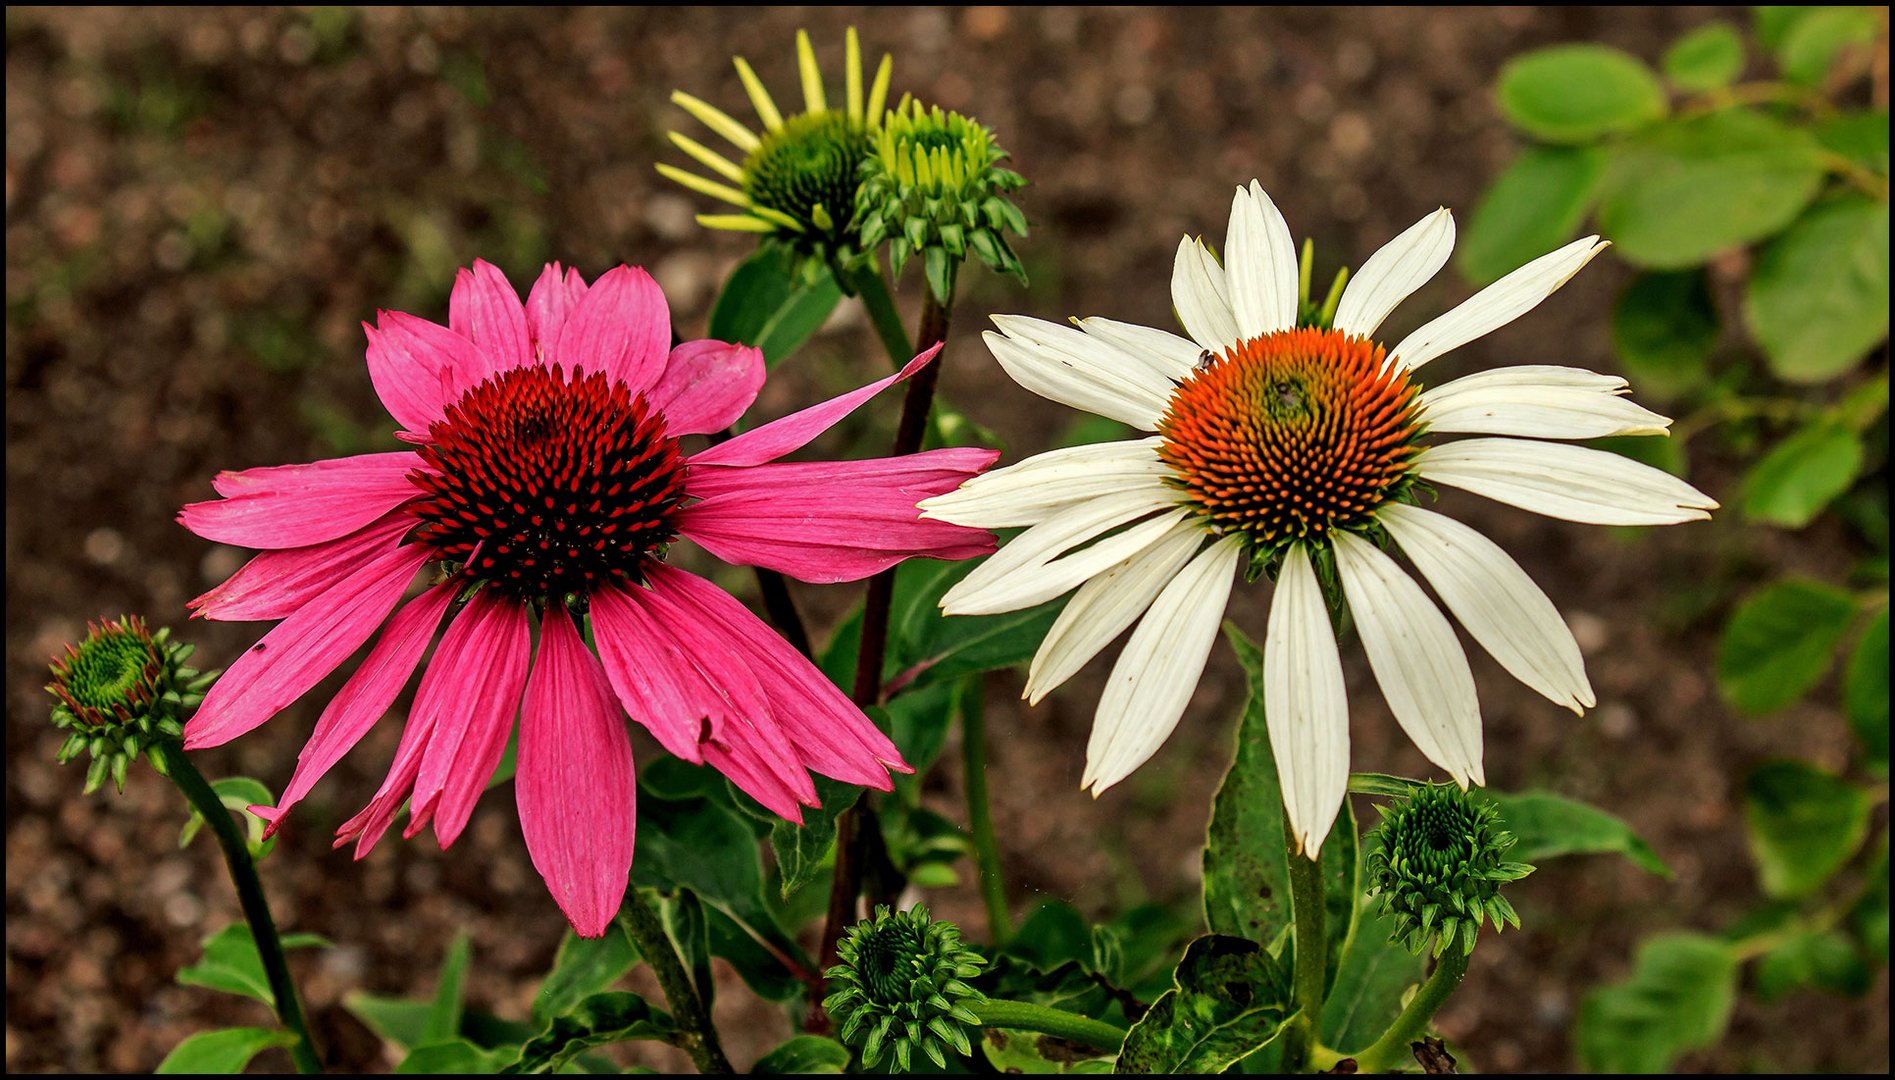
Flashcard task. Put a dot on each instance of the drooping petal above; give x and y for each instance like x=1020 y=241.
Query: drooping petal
x=706 y=386
x=1030 y=491
x=419 y=367
x=1158 y=671
x=484 y=309
x=367 y=827
x=575 y=784
x=274 y=584
x=621 y=327
x=1496 y=600
x=1260 y=265
x=1496 y=305
x=1305 y=704
x=303 y=648
x=555 y=293
x=659 y=686
x=469 y=696
x=1392 y=274
x=830 y=521
x=1065 y=365
x=1199 y=292
x=793 y=432
x=1573 y=483
x=1416 y=658
x=1167 y=354
x=1104 y=606
x=1483 y=405
x=1042 y=581
x=291 y=506
x=1026 y=555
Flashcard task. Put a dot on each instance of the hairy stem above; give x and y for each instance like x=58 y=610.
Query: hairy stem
x=1312 y=954
x=697 y=1036
x=980 y=818
x=1022 y=1016
x=1394 y=1047
x=256 y=906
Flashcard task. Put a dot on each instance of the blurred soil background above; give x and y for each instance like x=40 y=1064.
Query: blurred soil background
x=203 y=205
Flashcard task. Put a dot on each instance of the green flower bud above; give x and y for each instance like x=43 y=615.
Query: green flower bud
x=1438 y=859
x=118 y=692
x=902 y=985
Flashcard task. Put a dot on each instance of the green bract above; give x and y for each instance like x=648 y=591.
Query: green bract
x=1437 y=860
x=119 y=691
x=902 y=984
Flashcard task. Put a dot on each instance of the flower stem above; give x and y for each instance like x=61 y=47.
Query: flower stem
x=1023 y=1016
x=980 y=818
x=868 y=284
x=697 y=1036
x=1312 y=954
x=256 y=906
x=1393 y=1048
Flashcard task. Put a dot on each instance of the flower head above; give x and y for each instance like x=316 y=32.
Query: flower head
x=1289 y=440
x=902 y=984
x=797 y=180
x=1437 y=859
x=120 y=690
x=549 y=477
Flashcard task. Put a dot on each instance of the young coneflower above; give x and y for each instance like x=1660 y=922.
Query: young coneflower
x=796 y=180
x=1296 y=450
x=547 y=480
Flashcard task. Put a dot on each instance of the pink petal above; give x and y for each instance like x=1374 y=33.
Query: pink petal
x=419 y=367
x=303 y=648
x=274 y=584
x=622 y=327
x=552 y=299
x=658 y=685
x=468 y=697
x=367 y=827
x=739 y=763
x=792 y=432
x=706 y=386
x=291 y=506
x=366 y=697
x=484 y=309
x=575 y=787
x=829 y=521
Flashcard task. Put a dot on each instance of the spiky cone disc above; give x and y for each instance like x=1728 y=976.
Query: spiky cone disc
x=119 y=691
x=1437 y=860
x=902 y=987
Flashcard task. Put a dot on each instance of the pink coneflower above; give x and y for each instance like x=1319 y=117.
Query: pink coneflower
x=547 y=480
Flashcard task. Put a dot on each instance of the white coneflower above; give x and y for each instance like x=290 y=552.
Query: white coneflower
x=1295 y=449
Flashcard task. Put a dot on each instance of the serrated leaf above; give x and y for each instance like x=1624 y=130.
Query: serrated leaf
x=223 y=1052
x=1802 y=474
x=1230 y=997
x=1547 y=826
x=232 y=965
x=1780 y=643
x=1664 y=327
x=1865 y=690
x=804 y=1054
x=1576 y=93
x=1710 y=57
x=583 y=967
x=769 y=303
x=1818 y=299
x=1804 y=824
x=600 y=1020
x=1678 y=998
x=1537 y=204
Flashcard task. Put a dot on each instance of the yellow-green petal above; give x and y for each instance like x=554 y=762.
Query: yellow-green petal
x=704 y=186
x=717 y=120
x=813 y=99
x=759 y=96
x=853 y=73
x=708 y=157
x=735 y=223
x=878 y=93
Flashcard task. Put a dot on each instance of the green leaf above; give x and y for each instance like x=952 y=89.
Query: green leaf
x=600 y=1020
x=926 y=646
x=804 y=1054
x=1865 y=690
x=767 y=302
x=453 y=1056
x=444 y=1017
x=231 y=963
x=238 y=794
x=687 y=924
x=1371 y=981
x=1780 y=643
x=1576 y=93
x=1548 y=826
x=1803 y=474
x=1229 y=998
x=1814 y=960
x=1678 y=999
x=1708 y=58
x=1862 y=137
x=583 y=967
x=1869 y=917
x=1804 y=824
x=1683 y=191
x=1533 y=207
x=224 y=1052
x=1811 y=44
x=1664 y=327
x=1025 y=1053
x=803 y=850
x=398 y=1020
x=1817 y=300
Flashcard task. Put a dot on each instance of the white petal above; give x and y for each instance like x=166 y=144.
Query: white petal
x=1573 y=483
x=1416 y=658
x=1171 y=356
x=1392 y=274
x=1040 y=582
x=1498 y=304
x=1060 y=363
x=1305 y=704
x=1030 y=491
x=1017 y=570
x=1105 y=606
x=1483 y=406
x=1156 y=674
x=1548 y=375
x=1496 y=600
x=1260 y=261
x=1199 y=293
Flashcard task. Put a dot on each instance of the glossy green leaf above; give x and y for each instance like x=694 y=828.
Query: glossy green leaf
x=1683 y=191
x=583 y=967
x=1373 y=977
x=1812 y=960
x=1678 y=998
x=1229 y=998
x=238 y=794
x=1781 y=642
x=1664 y=327
x=1576 y=93
x=804 y=1054
x=1802 y=474
x=1804 y=824
x=1535 y=205
x=1547 y=826
x=926 y=646
x=600 y=1020
x=803 y=850
x=222 y=1052
x=231 y=963
x=453 y=1056
x=1812 y=43
x=1865 y=690
x=1817 y=300
x=1707 y=58
x=768 y=302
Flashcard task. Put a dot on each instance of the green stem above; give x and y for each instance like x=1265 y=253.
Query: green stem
x=980 y=818
x=697 y=1036
x=1312 y=955
x=1395 y=1046
x=256 y=906
x=868 y=284
x=1022 y=1016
